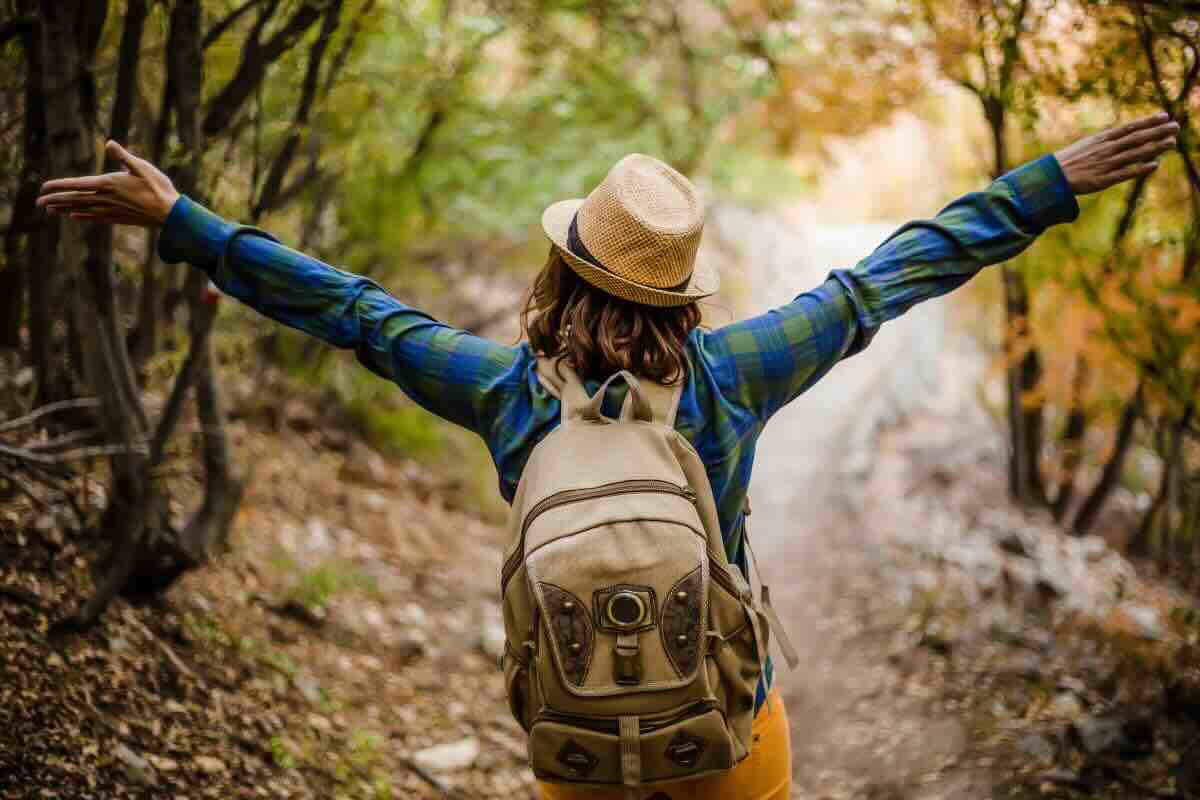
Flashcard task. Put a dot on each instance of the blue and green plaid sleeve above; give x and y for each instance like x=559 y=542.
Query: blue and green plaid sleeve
x=763 y=363
x=450 y=372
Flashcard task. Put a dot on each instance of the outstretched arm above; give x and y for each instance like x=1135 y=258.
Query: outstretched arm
x=450 y=372
x=764 y=362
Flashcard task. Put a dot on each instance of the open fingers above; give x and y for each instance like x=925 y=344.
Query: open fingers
x=1136 y=125
x=1156 y=133
x=82 y=202
x=100 y=211
x=1146 y=152
x=91 y=183
x=67 y=198
x=70 y=202
x=73 y=197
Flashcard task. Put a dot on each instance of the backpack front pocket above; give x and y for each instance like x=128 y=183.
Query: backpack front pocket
x=736 y=651
x=688 y=744
x=517 y=678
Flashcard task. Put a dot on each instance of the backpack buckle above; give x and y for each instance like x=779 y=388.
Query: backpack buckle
x=577 y=759
x=627 y=661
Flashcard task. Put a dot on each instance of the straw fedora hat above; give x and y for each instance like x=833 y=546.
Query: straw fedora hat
x=636 y=235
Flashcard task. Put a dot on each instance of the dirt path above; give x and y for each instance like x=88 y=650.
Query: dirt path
x=856 y=733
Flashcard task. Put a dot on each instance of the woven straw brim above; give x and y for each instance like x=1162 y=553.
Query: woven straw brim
x=556 y=221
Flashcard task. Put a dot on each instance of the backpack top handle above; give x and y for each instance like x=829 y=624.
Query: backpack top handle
x=640 y=407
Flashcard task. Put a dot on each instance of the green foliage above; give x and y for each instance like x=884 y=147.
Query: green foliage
x=360 y=767
x=383 y=414
x=282 y=755
x=314 y=588
x=283 y=664
x=406 y=429
x=206 y=628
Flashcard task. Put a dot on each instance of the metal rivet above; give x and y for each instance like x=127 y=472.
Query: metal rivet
x=681 y=639
x=681 y=596
x=568 y=606
x=576 y=647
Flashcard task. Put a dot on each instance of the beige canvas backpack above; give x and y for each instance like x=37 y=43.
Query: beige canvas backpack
x=633 y=648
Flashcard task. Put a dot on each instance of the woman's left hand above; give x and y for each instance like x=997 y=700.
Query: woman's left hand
x=1117 y=154
x=142 y=195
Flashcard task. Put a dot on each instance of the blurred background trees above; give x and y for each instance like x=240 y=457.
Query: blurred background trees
x=418 y=143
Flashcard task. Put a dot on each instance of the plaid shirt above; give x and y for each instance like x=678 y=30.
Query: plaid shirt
x=741 y=374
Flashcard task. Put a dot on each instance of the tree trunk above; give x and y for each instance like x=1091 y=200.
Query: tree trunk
x=223 y=485
x=1076 y=427
x=207 y=531
x=1111 y=474
x=69 y=35
x=1023 y=370
x=1153 y=534
x=22 y=225
x=71 y=110
x=1072 y=439
x=47 y=351
x=22 y=219
x=143 y=340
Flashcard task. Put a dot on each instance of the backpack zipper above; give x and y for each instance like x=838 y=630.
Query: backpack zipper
x=635 y=486
x=610 y=726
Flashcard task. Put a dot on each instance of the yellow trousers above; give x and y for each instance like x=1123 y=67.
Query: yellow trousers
x=765 y=774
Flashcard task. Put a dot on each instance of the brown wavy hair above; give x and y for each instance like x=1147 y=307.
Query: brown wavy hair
x=599 y=334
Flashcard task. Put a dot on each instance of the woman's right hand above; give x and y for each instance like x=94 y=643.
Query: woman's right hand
x=142 y=195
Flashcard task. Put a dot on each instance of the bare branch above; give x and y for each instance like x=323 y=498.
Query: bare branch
x=22 y=454
x=27 y=488
x=49 y=408
x=256 y=58
x=60 y=441
x=129 y=53
x=220 y=26
x=308 y=94
x=343 y=53
x=1170 y=104
x=970 y=87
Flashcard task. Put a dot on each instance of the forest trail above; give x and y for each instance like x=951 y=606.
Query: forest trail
x=346 y=646
x=826 y=565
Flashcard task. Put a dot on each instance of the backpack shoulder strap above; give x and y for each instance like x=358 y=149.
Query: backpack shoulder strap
x=776 y=625
x=664 y=401
x=562 y=381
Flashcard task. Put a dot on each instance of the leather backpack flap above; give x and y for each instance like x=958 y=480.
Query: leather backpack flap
x=658 y=606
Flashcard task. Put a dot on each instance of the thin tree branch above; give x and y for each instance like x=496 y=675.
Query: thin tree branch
x=1171 y=105
x=256 y=58
x=225 y=23
x=59 y=441
x=287 y=152
x=49 y=408
x=22 y=454
x=343 y=53
x=130 y=50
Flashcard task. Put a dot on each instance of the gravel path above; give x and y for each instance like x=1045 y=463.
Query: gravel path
x=851 y=737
